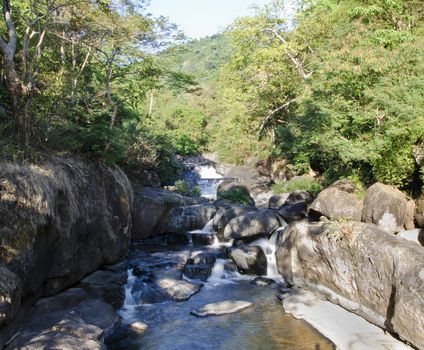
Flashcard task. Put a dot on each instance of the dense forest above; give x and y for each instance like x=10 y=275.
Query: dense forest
x=338 y=89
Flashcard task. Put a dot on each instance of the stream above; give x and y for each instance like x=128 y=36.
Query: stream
x=170 y=322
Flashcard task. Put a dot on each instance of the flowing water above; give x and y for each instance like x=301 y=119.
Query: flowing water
x=171 y=326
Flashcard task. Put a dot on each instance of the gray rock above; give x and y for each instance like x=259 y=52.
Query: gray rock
x=224 y=215
x=152 y=208
x=364 y=269
x=187 y=218
x=177 y=290
x=222 y=308
x=386 y=207
x=235 y=191
x=64 y=218
x=198 y=271
x=299 y=196
x=107 y=286
x=293 y=211
x=202 y=258
x=262 y=281
x=202 y=238
x=278 y=200
x=258 y=223
x=149 y=178
x=335 y=203
x=249 y=259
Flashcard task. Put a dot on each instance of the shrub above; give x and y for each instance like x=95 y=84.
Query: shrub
x=301 y=183
x=235 y=195
x=184 y=188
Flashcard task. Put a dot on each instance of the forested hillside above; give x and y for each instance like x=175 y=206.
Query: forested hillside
x=340 y=92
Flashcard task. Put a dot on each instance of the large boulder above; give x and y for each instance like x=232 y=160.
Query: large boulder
x=60 y=219
x=152 y=207
x=388 y=208
x=236 y=192
x=337 y=203
x=69 y=320
x=187 y=218
x=277 y=200
x=249 y=259
x=364 y=269
x=224 y=215
x=258 y=223
x=293 y=212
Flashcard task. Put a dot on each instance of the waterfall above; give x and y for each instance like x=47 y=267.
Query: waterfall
x=269 y=248
x=209 y=180
x=130 y=300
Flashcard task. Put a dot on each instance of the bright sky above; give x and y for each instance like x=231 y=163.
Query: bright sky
x=200 y=18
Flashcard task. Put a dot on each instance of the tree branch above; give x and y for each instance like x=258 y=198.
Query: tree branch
x=271 y=114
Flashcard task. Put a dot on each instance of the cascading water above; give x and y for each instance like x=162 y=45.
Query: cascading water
x=129 y=297
x=269 y=248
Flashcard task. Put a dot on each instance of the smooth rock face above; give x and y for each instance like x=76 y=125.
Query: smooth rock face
x=177 y=290
x=107 y=286
x=66 y=321
x=187 y=218
x=222 y=308
x=364 y=269
x=224 y=215
x=59 y=220
x=261 y=222
x=249 y=260
x=152 y=207
x=278 y=200
x=337 y=204
x=293 y=212
x=299 y=196
x=386 y=207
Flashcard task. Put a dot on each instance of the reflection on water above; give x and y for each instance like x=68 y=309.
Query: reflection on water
x=171 y=326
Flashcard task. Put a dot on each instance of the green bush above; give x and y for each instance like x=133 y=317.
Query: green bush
x=301 y=183
x=235 y=195
x=184 y=188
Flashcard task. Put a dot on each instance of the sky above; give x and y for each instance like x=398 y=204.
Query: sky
x=200 y=18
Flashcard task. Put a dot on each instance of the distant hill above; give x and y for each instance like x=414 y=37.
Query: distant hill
x=201 y=58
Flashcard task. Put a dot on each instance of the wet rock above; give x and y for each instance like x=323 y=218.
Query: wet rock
x=202 y=239
x=202 y=258
x=187 y=218
x=177 y=239
x=177 y=290
x=386 y=207
x=336 y=203
x=361 y=267
x=262 y=281
x=147 y=294
x=138 y=326
x=250 y=260
x=107 y=286
x=222 y=308
x=293 y=211
x=199 y=271
x=259 y=223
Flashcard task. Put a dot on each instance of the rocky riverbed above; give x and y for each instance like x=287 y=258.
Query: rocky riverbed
x=349 y=264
